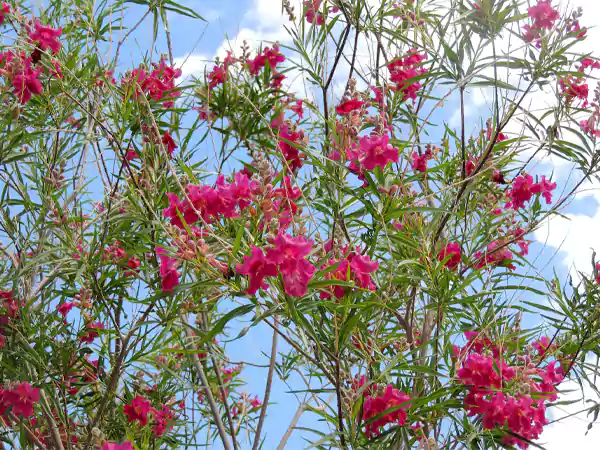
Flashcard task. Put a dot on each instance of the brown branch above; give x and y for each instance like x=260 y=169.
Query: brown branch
x=209 y=397
x=263 y=411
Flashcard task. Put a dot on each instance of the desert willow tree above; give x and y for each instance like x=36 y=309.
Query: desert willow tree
x=336 y=192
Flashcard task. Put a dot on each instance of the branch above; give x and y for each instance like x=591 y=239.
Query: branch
x=263 y=411
x=211 y=400
x=293 y=424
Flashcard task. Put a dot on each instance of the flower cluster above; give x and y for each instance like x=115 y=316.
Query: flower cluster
x=451 y=254
x=313 y=15
x=270 y=55
x=5 y=9
x=157 y=85
x=45 y=37
x=169 y=275
x=352 y=266
x=19 y=398
x=140 y=410
x=419 y=161
x=576 y=87
x=496 y=253
x=91 y=332
x=373 y=151
x=507 y=397
x=20 y=72
x=119 y=257
x=289 y=142
x=286 y=257
x=523 y=189
x=543 y=17
x=208 y=204
x=403 y=72
x=390 y=404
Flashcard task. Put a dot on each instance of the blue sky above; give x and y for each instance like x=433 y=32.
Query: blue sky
x=564 y=242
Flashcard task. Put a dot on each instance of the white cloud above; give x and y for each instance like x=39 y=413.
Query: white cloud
x=575 y=235
x=192 y=64
x=571 y=431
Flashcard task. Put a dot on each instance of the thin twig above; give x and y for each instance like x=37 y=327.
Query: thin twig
x=263 y=411
x=209 y=397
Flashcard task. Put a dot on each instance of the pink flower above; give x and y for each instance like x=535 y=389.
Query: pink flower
x=542 y=345
x=590 y=125
x=217 y=76
x=25 y=79
x=312 y=12
x=257 y=267
x=255 y=402
x=521 y=191
x=289 y=141
x=163 y=419
x=168 y=270
x=574 y=88
x=376 y=151
x=479 y=371
x=22 y=397
x=91 y=332
x=113 y=446
x=46 y=37
x=168 y=141
x=543 y=15
x=531 y=34
x=137 y=410
x=157 y=85
x=452 y=254
x=339 y=273
x=493 y=256
x=273 y=56
x=378 y=94
x=419 y=162
x=3 y=11
x=404 y=70
x=289 y=253
x=544 y=188
x=391 y=399
x=277 y=81
x=573 y=26
x=297 y=108
x=347 y=106
x=586 y=63
x=64 y=309
x=361 y=267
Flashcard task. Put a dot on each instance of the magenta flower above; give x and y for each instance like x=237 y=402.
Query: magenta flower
x=376 y=151
x=452 y=253
x=25 y=79
x=521 y=191
x=168 y=270
x=137 y=410
x=404 y=70
x=46 y=37
x=361 y=267
x=22 y=397
x=163 y=420
x=91 y=332
x=64 y=309
x=289 y=253
x=346 y=107
x=543 y=14
x=257 y=267
x=376 y=405
x=3 y=11
x=544 y=188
